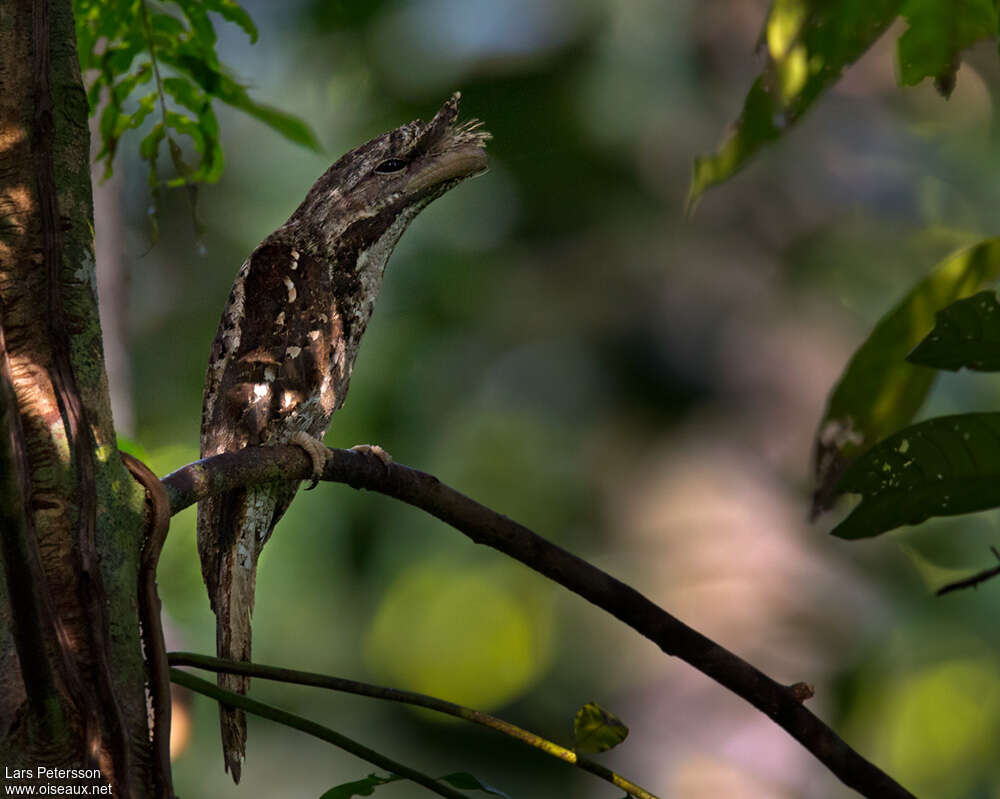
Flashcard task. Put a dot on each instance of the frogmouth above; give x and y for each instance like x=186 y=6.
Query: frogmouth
x=282 y=358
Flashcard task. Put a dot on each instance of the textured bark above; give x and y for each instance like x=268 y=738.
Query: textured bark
x=74 y=693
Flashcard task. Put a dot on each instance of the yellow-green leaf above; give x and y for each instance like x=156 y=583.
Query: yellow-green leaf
x=596 y=729
x=808 y=44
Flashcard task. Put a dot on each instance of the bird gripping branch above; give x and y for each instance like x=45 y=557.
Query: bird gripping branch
x=282 y=358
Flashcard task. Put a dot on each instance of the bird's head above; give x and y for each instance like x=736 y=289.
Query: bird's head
x=371 y=193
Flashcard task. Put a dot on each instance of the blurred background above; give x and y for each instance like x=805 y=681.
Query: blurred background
x=558 y=341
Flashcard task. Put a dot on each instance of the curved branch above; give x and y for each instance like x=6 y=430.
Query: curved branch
x=233 y=699
x=359 y=470
x=157 y=527
x=296 y=677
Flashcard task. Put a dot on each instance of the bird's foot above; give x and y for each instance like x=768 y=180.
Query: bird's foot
x=317 y=453
x=374 y=450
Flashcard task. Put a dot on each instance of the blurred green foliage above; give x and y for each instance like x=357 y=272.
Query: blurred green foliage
x=169 y=48
x=809 y=43
x=558 y=341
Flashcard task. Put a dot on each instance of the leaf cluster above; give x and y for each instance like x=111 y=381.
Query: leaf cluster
x=808 y=44
x=944 y=466
x=148 y=60
x=865 y=443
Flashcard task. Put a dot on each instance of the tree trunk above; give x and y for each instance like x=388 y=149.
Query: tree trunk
x=72 y=676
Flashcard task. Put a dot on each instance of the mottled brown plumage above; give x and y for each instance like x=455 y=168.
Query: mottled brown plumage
x=282 y=358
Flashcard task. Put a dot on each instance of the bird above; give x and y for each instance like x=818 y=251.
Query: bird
x=281 y=361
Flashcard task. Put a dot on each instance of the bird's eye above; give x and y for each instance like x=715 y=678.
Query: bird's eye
x=390 y=165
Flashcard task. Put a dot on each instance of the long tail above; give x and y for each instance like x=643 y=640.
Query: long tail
x=246 y=519
x=238 y=580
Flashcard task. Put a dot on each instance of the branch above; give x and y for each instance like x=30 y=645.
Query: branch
x=232 y=699
x=781 y=703
x=154 y=648
x=410 y=698
x=974 y=580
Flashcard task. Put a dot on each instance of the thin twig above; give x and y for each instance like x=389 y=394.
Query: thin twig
x=974 y=580
x=255 y=465
x=249 y=705
x=410 y=698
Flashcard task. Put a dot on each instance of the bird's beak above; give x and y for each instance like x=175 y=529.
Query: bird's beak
x=458 y=164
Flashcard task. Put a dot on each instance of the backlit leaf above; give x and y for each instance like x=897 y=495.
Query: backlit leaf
x=596 y=729
x=808 y=43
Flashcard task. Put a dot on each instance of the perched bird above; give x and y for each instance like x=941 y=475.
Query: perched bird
x=282 y=358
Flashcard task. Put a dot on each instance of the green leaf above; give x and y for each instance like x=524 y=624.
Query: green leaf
x=941 y=467
x=938 y=31
x=966 y=333
x=288 y=125
x=808 y=45
x=146 y=106
x=111 y=34
x=177 y=157
x=117 y=59
x=149 y=147
x=218 y=84
x=204 y=31
x=167 y=26
x=879 y=391
x=187 y=127
x=467 y=782
x=186 y=94
x=596 y=729
x=232 y=12
x=213 y=160
x=106 y=127
x=123 y=88
x=365 y=787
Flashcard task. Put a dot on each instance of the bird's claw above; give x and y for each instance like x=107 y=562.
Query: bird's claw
x=317 y=453
x=374 y=450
